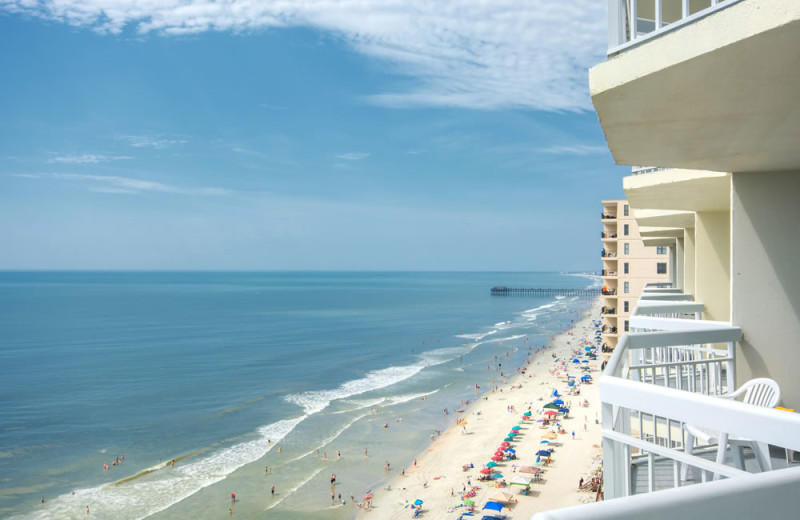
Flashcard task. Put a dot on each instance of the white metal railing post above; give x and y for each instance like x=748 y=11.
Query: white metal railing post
x=633 y=15
x=658 y=17
x=685 y=9
x=731 y=376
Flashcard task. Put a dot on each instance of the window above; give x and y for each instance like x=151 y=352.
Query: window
x=661 y=250
x=625 y=305
x=625 y=210
x=627 y=326
x=661 y=268
x=627 y=288
x=626 y=230
x=627 y=247
x=625 y=268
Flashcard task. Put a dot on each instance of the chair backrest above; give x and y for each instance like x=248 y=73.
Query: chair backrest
x=761 y=391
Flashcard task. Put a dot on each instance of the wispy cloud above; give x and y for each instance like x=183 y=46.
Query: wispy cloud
x=87 y=158
x=461 y=53
x=156 y=142
x=577 y=149
x=116 y=184
x=353 y=156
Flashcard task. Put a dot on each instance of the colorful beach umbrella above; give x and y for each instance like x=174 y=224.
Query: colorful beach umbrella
x=491 y=464
x=417 y=502
x=550 y=412
x=505 y=444
x=497 y=457
x=469 y=502
x=493 y=506
x=486 y=470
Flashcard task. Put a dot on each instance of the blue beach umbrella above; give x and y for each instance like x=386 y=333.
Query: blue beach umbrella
x=576 y=360
x=494 y=506
x=558 y=401
x=417 y=502
x=510 y=450
x=570 y=383
x=563 y=410
x=496 y=476
x=543 y=453
x=544 y=442
x=491 y=464
x=508 y=439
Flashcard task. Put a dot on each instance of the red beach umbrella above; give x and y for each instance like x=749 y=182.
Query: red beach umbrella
x=486 y=470
x=504 y=444
x=497 y=458
x=550 y=412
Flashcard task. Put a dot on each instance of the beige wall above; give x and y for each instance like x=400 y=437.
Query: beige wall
x=766 y=278
x=713 y=264
x=689 y=263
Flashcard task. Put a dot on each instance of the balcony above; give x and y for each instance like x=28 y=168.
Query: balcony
x=652 y=18
x=697 y=85
x=667 y=373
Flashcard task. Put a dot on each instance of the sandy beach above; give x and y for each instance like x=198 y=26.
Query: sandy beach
x=438 y=478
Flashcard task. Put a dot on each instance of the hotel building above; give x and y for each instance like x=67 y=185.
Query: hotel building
x=707 y=92
x=628 y=264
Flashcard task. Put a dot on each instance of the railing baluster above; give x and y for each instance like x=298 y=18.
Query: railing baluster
x=651 y=472
x=659 y=22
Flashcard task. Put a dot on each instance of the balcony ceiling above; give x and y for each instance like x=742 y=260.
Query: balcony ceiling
x=652 y=231
x=676 y=189
x=718 y=94
x=659 y=241
x=664 y=218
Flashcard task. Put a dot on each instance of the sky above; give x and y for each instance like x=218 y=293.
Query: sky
x=301 y=135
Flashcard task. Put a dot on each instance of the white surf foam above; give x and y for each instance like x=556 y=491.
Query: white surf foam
x=140 y=498
x=316 y=401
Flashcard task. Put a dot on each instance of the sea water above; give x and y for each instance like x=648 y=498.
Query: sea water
x=247 y=381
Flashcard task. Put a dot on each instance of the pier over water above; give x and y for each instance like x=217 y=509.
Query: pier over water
x=511 y=291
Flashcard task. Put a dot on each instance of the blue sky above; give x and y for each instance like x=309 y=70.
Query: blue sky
x=316 y=134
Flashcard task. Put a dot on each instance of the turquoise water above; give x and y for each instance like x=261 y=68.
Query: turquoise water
x=230 y=373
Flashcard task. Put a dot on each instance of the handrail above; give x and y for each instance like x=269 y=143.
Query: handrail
x=653 y=307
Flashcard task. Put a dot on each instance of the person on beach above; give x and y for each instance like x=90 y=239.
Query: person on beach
x=272 y=491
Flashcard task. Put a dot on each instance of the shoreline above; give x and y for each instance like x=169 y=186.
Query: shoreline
x=436 y=476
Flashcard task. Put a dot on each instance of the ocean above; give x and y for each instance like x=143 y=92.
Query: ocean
x=246 y=381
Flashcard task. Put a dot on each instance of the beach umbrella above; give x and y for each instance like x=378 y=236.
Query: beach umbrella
x=527 y=414
x=550 y=412
x=515 y=429
x=505 y=444
x=508 y=439
x=511 y=450
x=544 y=442
x=570 y=383
x=417 y=502
x=563 y=410
x=521 y=480
x=497 y=476
x=558 y=401
x=543 y=453
x=585 y=361
x=469 y=502
x=497 y=457
x=501 y=497
x=587 y=348
x=486 y=470
x=529 y=469
x=491 y=464
x=585 y=377
x=551 y=406
x=576 y=360
x=493 y=506
x=513 y=434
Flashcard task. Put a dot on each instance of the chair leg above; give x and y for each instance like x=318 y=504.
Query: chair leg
x=761 y=451
x=688 y=448
x=721 y=448
x=738 y=455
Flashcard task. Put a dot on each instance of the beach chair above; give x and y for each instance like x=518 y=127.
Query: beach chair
x=759 y=392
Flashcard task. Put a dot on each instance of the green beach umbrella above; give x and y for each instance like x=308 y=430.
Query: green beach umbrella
x=469 y=502
x=552 y=406
x=491 y=464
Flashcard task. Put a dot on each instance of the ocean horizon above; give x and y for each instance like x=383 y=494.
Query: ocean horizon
x=247 y=380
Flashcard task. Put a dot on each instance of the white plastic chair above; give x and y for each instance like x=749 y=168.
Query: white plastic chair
x=760 y=392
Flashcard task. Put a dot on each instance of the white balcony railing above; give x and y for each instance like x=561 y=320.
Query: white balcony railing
x=634 y=21
x=665 y=374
